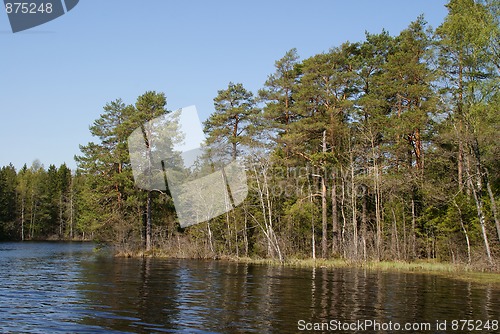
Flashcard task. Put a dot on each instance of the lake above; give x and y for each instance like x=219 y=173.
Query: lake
x=69 y=288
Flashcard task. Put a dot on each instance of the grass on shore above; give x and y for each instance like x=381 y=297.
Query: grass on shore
x=454 y=271
x=449 y=270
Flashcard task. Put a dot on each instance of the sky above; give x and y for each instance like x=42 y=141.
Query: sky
x=56 y=78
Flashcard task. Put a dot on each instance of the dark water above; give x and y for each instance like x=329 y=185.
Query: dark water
x=66 y=287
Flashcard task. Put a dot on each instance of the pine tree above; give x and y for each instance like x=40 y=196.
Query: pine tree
x=467 y=48
x=231 y=132
x=110 y=203
x=278 y=93
x=231 y=124
x=107 y=181
x=149 y=106
x=318 y=136
x=370 y=124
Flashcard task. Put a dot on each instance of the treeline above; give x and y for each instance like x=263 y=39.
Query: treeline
x=38 y=203
x=382 y=149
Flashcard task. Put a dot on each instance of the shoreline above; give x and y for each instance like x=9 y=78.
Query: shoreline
x=449 y=270
x=460 y=272
x=457 y=271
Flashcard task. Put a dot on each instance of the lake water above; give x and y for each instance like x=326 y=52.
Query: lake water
x=69 y=288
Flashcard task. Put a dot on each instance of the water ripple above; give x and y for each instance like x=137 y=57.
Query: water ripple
x=66 y=288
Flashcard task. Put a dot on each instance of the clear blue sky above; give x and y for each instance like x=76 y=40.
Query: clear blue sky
x=56 y=78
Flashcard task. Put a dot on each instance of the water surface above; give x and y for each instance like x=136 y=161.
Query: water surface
x=69 y=288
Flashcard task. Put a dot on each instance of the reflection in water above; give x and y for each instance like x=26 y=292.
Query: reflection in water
x=56 y=287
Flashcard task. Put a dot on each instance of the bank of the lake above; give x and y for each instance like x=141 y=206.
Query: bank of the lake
x=449 y=270
x=461 y=272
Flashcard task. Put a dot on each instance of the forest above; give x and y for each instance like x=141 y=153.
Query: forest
x=383 y=149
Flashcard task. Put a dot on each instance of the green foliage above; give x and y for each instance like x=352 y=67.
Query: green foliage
x=112 y=208
x=34 y=202
x=278 y=92
x=8 y=183
x=233 y=122
x=382 y=149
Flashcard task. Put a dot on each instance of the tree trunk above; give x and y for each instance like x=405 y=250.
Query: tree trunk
x=364 y=222
x=272 y=241
x=419 y=153
x=480 y=215
x=377 y=213
x=342 y=211
x=235 y=136
x=354 y=212
x=413 y=232
x=395 y=238
x=324 y=219
x=210 y=238
x=229 y=234
x=335 y=221
x=376 y=189
x=460 y=163
x=272 y=234
x=405 y=243
x=477 y=195
x=465 y=232
x=245 y=234
x=313 y=232
x=460 y=126
x=148 y=223
x=493 y=204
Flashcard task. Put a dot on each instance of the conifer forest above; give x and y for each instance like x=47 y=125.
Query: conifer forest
x=382 y=149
